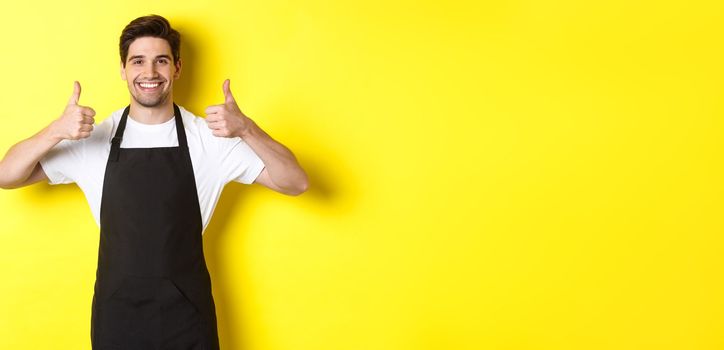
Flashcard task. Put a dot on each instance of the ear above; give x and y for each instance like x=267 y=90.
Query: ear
x=123 y=72
x=177 y=73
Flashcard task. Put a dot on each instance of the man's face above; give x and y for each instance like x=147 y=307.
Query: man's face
x=150 y=71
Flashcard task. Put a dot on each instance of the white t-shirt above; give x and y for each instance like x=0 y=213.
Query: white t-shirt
x=216 y=160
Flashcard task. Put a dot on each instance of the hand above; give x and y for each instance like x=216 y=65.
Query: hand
x=77 y=121
x=227 y=120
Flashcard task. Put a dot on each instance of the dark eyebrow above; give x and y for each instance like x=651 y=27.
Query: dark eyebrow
x=142 y=56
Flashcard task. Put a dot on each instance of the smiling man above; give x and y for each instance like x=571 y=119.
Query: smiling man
x=152 y=173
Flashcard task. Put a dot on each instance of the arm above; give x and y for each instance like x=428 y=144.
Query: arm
x=282 y=172
x=20 y=166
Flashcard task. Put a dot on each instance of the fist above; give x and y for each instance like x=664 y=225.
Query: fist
x=227 y=120
x=77 y=121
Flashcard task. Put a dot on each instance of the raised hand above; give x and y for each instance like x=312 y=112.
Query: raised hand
x=227 y=120
x=77 y=121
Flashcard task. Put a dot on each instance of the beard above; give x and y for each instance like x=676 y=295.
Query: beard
x=149 y=100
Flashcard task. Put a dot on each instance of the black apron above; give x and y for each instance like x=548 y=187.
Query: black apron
x=152 y=288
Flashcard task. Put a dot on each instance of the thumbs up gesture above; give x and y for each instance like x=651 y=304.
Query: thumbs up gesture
x=77 y=121
x=227 y=120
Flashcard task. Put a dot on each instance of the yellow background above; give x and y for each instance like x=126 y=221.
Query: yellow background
x=484 y=175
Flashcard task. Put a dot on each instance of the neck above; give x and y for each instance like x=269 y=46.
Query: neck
x=151 y=115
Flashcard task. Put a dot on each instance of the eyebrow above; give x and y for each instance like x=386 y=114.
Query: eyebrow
x=142 y=56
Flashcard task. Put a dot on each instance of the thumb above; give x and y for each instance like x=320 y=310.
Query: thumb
x=76 y=94
x=228 y=97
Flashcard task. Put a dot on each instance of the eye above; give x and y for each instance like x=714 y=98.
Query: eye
x=162 y=60
x=136 y=61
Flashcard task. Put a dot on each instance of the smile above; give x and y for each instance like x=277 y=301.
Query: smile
x=149 y=86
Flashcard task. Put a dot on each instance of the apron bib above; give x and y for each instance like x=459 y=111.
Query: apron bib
x=152 y=288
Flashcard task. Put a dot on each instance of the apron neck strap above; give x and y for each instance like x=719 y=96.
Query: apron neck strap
x=180 y=131
x=118 y=137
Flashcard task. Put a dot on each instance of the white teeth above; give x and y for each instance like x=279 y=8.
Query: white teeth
x=149 y=85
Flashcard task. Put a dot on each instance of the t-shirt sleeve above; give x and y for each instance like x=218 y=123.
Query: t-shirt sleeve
x=240 y=163
x=63 y=162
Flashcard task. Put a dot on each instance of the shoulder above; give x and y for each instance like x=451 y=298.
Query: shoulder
x=104 y=130
x=193 y=124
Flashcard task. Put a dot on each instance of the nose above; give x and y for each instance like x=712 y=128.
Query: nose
x=149 y=70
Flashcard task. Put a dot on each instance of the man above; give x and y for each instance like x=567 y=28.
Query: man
x=152 y=174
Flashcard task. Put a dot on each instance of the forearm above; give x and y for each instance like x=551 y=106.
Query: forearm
x=20 y=159
x=280 y=162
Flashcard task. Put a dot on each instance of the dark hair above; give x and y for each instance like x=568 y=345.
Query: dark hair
x=153 y=26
